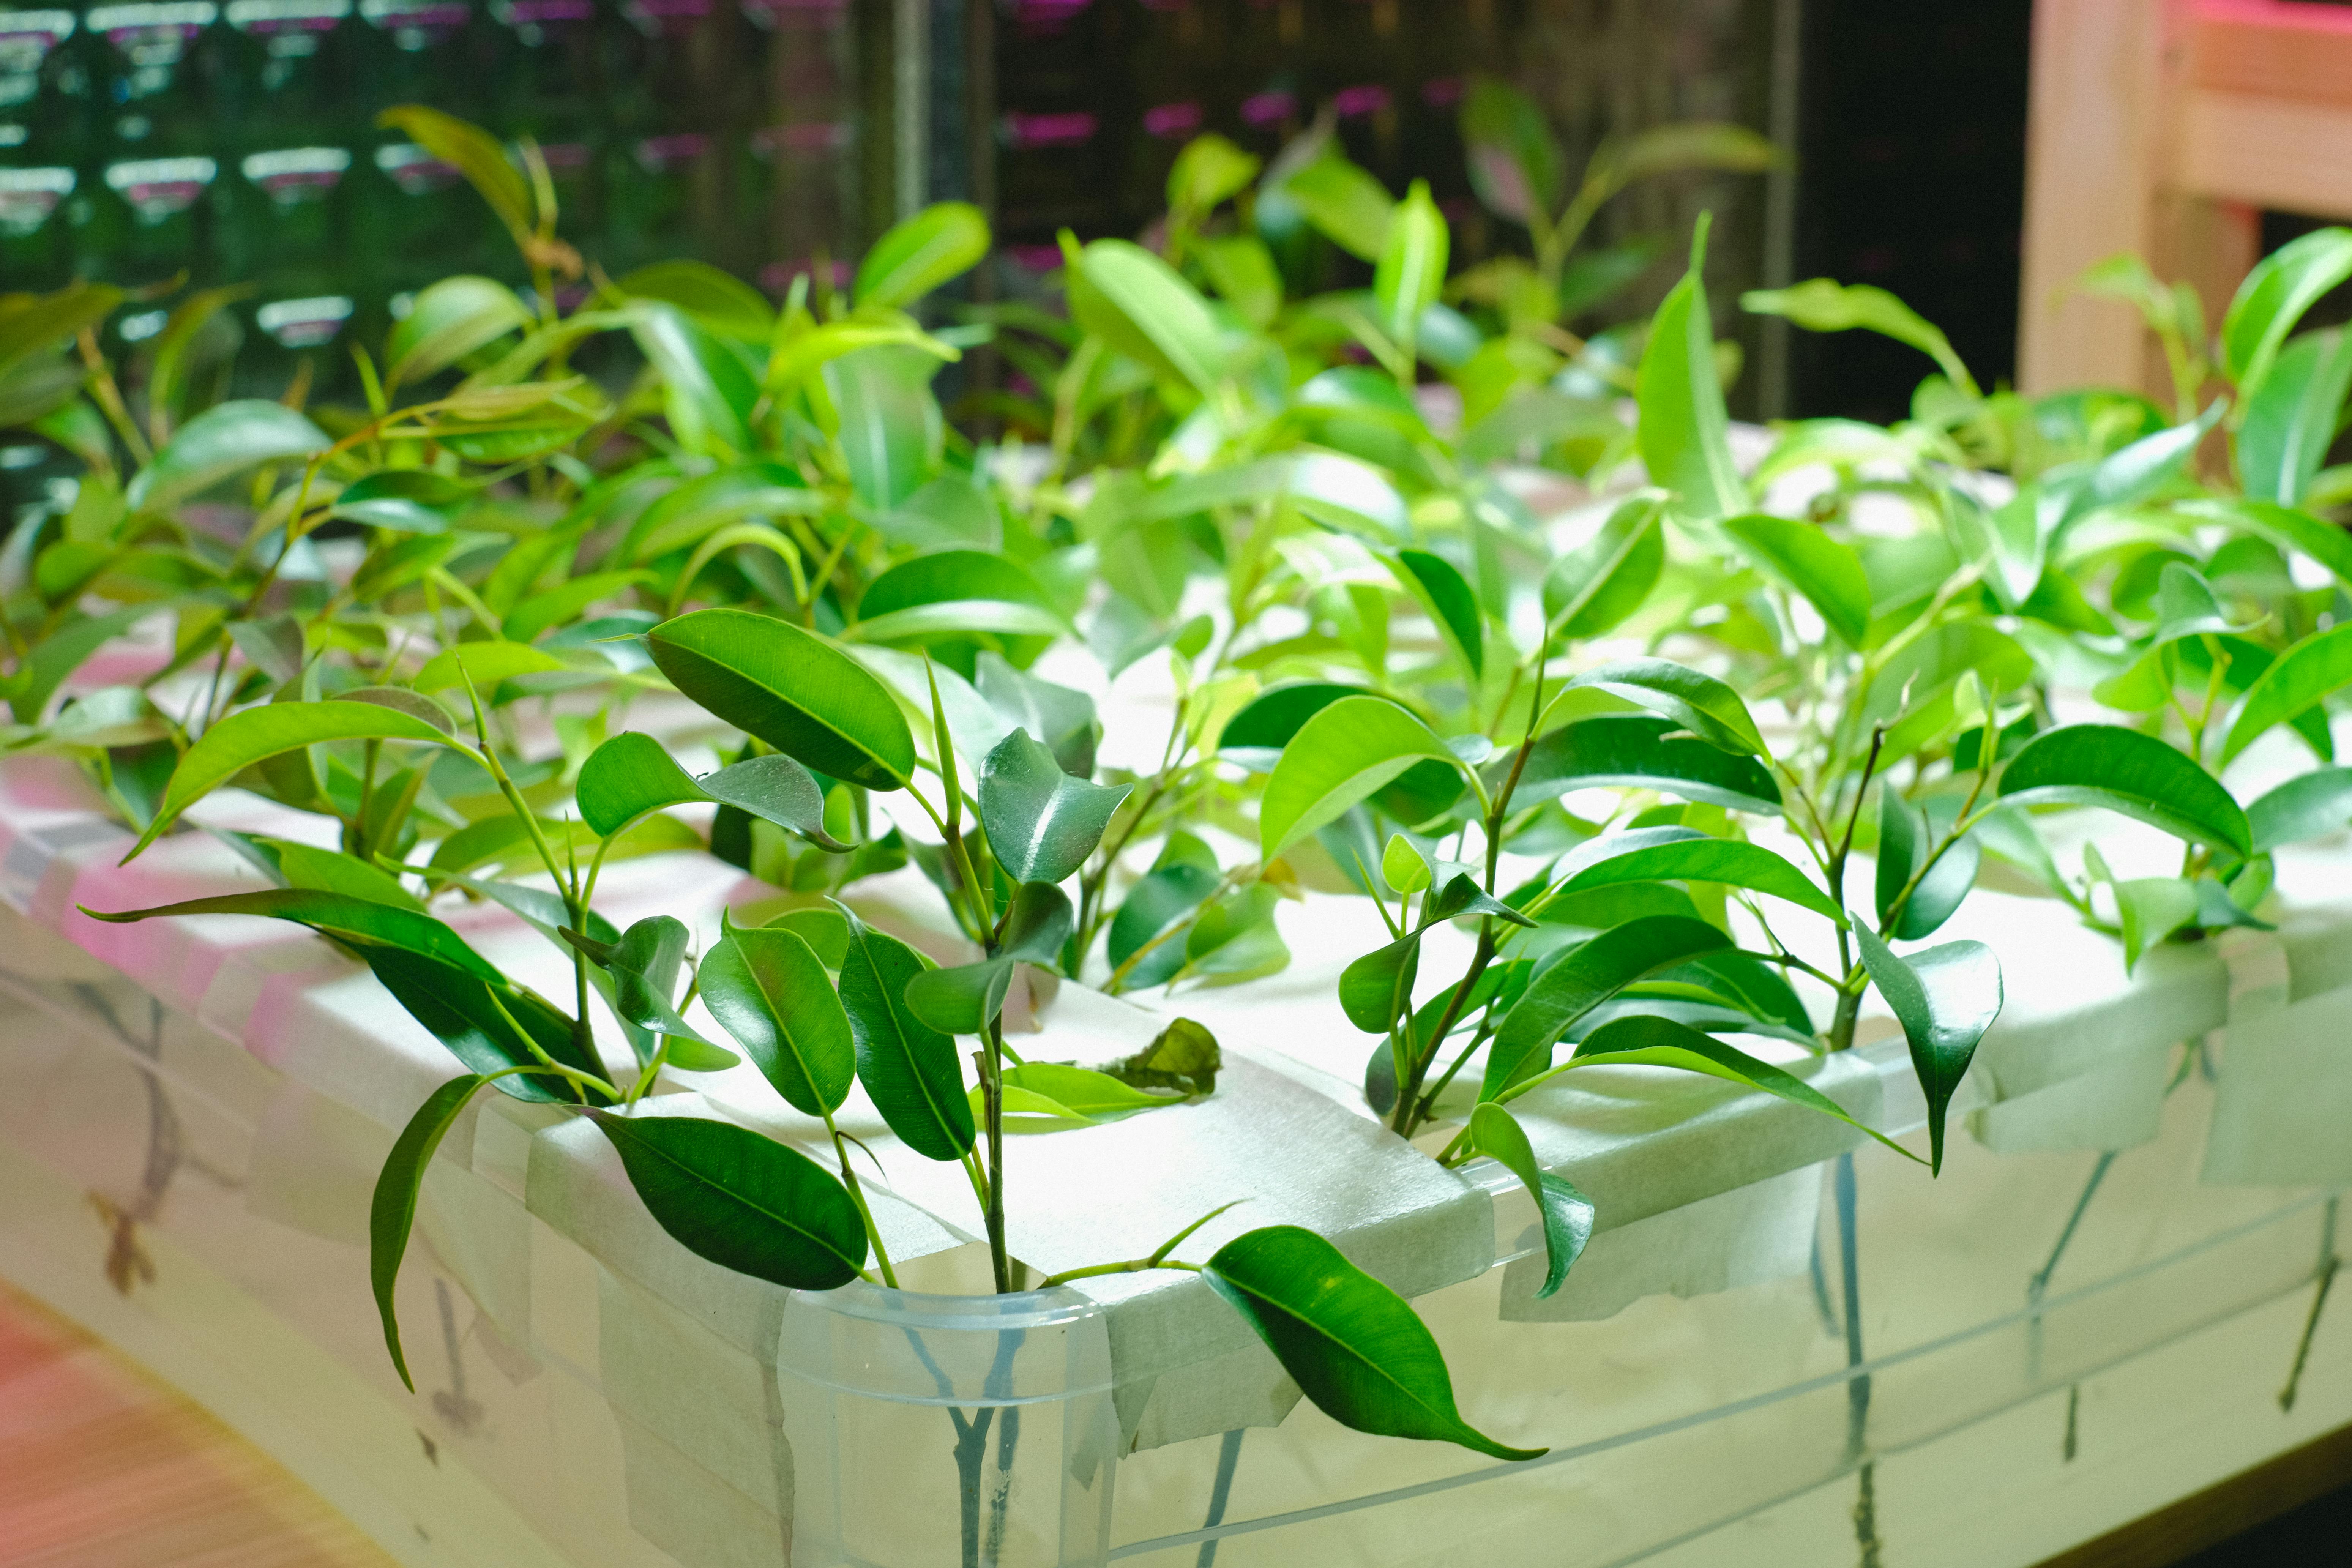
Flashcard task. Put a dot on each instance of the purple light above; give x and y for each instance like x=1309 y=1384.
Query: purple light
x=1266 y=108
x=1169 y=120
x=1033 y=131
x=1368 y=98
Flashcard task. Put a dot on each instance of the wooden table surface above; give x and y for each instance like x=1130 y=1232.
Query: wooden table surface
x=102 y=1465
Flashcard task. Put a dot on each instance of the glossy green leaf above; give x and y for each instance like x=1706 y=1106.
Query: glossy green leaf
x=1451 y=603
x=1699 y=703
x=243 y=739
x=627 y=777
x=890 y=429
x=709 y=389
x=1242 y=270
x=487 y=1024
x=645 y=964
x=699 y=508
x=1185 y=874
x=358 y=920
x=216 y=445
x=1905 y=841
x=910 y=1069
x=2150 y=909
x=1595 y=587
x=1354 y=1345
x=1402 y=867
x=2309 y=805
x=1151 y=307
x=1236 y=939
x=966 y=589
x=2126 y=771
x=49 y=321
x=409 y=501
x=2293 y=416
x=1567 y=1214
x=1643 y=1041
x=769 y=990
x=1037 y=923
x=1042 y=824
x=1682 y=426
x=1682 y=854
x=1340 y=755
x=448 y=320
x=919 y=252
x=742 y=1201
x=1826 y=305
x=331 y=871
x=2272 y=299
x=774 y=789
x=1084 y=1092
x=789 y=689
x=2285 y=527
x=1635 y=750
x=2299 y=680
x=1944 y=997
x=392 y=1211
x=1579 y=980
x=961 y=1000
x=1828 y=573
x=1376 y=990
x=1411 y=269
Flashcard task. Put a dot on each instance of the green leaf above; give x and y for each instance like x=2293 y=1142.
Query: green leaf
x=791 y=689
x=486 y=1024
x=2282 y=526
x=1242 y=270
x=1683 y=854
x=1359 y=1353
x=1402 y=867
x=223 y=441
x=910 y=1069
x=1185 y=874
x=961 y=1000
x=701 y=507
x=1412 y=270
x=890 y=430
x=243 y=739
x=742 y=1201
x=411 y=501
x=1826 y=305
x=1515 y=165
x=1634 y=751
x=2151 y=909
x=717 y=302
x=1581 y=980
x=1944 y=997
x=1036 y=923
x=1209 y=170
x=1340 y=755
x=2310 y=805
x=1346 y=205
x=1699 y=703
x=1149 y=312
x=1042 y=824
x=1085 y=1092
x=2126 y=771
x=1643 y=1041
x=774 y=789
x=393 y=1209
x=1439 y=584
x=2293 y=416
x=1595 y=587
x=1376 y=990
x=2299 y=680
x=2272 y=299
x=627 y=777
x=565 y=603
x=1060 y=716
x=448 y=320
x=1184 y=1057
x=328 y=871
x=1567 y=1214
x=708 y=388
x=473 y=153
x=920 y=252
x=964 y=589
x=768 y=989
x=45 y=321
x=1906 y=836
x=1236 y=939
x=486 y=664
x=1682 y=431
x=645 y=964
x=1828 y=573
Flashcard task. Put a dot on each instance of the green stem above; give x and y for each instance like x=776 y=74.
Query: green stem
x=857 y=1197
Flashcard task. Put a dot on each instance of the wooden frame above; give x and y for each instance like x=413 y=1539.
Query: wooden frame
x=2166 y=127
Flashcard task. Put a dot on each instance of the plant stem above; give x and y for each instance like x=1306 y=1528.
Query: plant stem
x=857 y=1197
